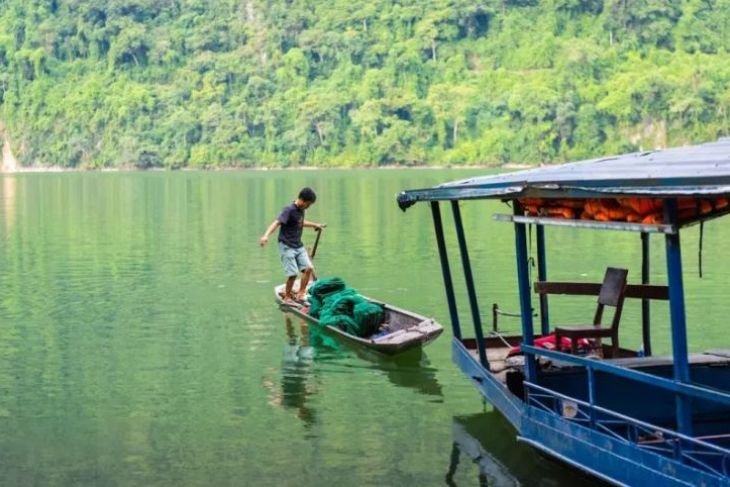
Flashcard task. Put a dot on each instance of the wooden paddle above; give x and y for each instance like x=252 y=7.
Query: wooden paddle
x=313 y=252
x=316 y=242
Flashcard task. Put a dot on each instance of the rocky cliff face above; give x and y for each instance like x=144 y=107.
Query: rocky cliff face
x=7 y=160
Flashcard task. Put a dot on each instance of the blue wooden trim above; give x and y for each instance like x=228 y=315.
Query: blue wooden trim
x=592 y=395
x=445 y=269
x=653 y=380
x=645 y=303
x=611 y=458
x=524 y=290
x=608 y=457
x=678 y=318
x=684 y=450
x=494 y=391
x=628 y=419
x=470 y=284
x=542 y=276
x=567 y=460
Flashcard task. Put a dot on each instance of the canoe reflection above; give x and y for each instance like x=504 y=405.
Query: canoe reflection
x=409 y=369
x=488 y=441
x=310 y=353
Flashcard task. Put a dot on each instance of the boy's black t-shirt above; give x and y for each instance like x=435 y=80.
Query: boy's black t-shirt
x=292 y=223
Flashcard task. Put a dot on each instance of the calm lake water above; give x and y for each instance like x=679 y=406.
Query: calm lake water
x=140 y=345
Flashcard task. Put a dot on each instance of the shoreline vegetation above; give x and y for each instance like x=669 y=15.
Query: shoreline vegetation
x=9 y=165
x=393 y=167
x=144 y=84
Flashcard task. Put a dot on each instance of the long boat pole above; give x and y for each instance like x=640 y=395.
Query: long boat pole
x=445 y=269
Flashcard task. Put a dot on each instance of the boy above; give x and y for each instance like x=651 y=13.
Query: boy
x=291 y=249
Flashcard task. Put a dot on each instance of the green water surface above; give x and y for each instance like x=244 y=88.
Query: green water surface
x=140 y=344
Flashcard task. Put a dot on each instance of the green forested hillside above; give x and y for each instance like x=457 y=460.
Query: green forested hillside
x=198 y=83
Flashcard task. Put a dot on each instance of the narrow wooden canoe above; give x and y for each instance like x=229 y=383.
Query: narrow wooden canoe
x=407 y=330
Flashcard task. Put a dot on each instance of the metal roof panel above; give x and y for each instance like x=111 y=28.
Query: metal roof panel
x=681 y=171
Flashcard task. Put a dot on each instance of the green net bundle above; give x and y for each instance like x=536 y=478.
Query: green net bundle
x=369 y=316
x=343 y=322
x=321 y=290
x=337 y=305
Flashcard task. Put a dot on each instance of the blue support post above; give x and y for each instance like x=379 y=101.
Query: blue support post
x=523 y=283
x=445 y=269
x=645 y=303
x=542 y=276
x=591 y=395
x=470 y=284
x=678 y=318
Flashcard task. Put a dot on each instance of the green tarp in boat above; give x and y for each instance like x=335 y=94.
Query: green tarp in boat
x=335 y=304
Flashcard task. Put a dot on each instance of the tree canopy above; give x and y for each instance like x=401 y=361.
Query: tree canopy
x=253 y=83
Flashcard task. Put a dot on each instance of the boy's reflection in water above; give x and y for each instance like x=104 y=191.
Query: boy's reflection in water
x=409 y=370
x=296 y=370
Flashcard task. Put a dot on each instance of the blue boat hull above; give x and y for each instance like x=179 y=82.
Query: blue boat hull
x=601 y=454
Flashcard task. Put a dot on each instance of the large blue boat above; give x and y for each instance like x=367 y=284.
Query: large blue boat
x=625 y=416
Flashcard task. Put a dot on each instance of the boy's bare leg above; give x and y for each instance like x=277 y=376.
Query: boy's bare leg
x=288 y=288
x=302 y=294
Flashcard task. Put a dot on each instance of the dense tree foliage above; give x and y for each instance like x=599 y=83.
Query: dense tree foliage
x=192 y=83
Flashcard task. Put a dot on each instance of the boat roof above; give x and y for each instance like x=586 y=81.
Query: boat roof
x=690 y=171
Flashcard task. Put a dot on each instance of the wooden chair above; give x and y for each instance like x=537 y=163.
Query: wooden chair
x=612 y=294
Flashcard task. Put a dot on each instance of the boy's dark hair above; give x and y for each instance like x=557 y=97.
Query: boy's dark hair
x=307 y=194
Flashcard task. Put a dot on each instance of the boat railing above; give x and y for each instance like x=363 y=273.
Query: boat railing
x=682 y=448
x=592 y=365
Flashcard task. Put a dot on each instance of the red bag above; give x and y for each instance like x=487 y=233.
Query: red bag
x=548 y=343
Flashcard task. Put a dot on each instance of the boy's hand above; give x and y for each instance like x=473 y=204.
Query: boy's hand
x=263 y=241
x=320 y=226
